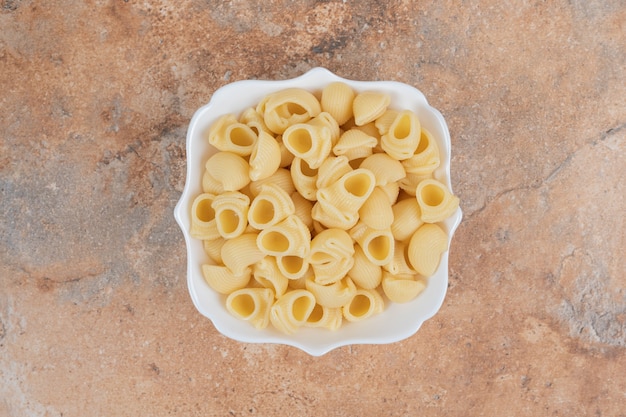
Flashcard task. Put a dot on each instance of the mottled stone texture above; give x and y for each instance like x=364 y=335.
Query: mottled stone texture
x=95 y=98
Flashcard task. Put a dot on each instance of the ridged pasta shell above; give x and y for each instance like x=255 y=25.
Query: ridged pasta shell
x=402 y=288
x=376 y=212
x=333 y=168
x=337 y=98
x=266 y=272
x=407 y=217
x=289 y=237
x=364 y=304
x=292 y=266
x=303 y=209
x=400 y=262
x=384 y=122
x=223 y=280
x=355 y=144
x=426 y=158
x=377 y=245
x=349 y=193
x=364 y=273
x=251 y=304
x=241 y=252
x=333 y=295
x=213 y=248
x=403 y=137
x=282 y=178
x=325 y=120
x=271 y=206
x=265 y=157
x=229 y=170
x=308 y=142
x=408 y=184
x=436 y=201
x=369 y=106
x=203 y=225
x=385 y=168
x=329 y=318
x=288 y=107
x=304 y=179
x=425 y=248
x=231 y=213
x=292 y=310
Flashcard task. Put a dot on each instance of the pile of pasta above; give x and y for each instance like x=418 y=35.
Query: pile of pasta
x=315 y=211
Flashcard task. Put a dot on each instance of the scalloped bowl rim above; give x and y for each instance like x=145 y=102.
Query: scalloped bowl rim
x=388 y=327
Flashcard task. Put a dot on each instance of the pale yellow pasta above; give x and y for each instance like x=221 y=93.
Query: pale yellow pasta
x=266 y=272
x=426 y=158
x=229 y=170
x=289 y=237
x=232 y=136
x=383 y=123
x=377 y=245
x=286 y=157
x=241 y=252
x=211 y=185
x=369 y=106
x=292 y=310
x=354 y=144
x=403 y=137
x=252 y=305
x=325 y=215
x=370 y=130
x=331 y=255
x=333 y=295
x=325 y=120
x=333 y=168
x=407 y=217
x=329 y=318
x=409 y=183
x=436 y=201
x=288 y=107
x=282 y=178
x=385 y=168
x=291 y=266
x=302 y=209
x=300 y=283
x=317 y=226
x=304 y=179
x=213 y=248
x=392 y=190
x=350 y=191
x=203 y=225
x=376 y=212
x=337 y=98
x=311 y=143
x=271 y=206
x=364 y=304
x=400 y=262
x=254 y=120
x=231 y=213
x=332 y=271
x=364 y=273
x=402 y=288
x=223 y=280
x=425 y=248
x=265 y=157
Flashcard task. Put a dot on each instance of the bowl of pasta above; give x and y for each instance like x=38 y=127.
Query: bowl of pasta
x=318 y=211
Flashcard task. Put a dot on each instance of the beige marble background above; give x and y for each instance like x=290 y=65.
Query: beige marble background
x=95 y=98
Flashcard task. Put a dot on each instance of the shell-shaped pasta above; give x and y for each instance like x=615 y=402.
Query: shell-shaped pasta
x=436 y=201
x=304 y=178
x=400 y=262
x=403 y=137
x=330 y=245
x=337 y=98
x=376 y=212
x=364 y=304
x=300 y=283
x=349 y=193
x=241 y=252
x=383 y=123
x=364 y=273
x=331 y=170
x=402 y=288
x=292 y=310
x=426 y=158
x=254 y=120
x=303 y=208
x=293 y=267
x=213 y=248
x=234 y=137
x=355 y=144
x=271 y=206
x=425 y=248
x=309 y=142
x=409 y=183
x=325 y=120
x=333 y=271
x=289 y=237
x=384 y=167
x=286 y=157
x=203 y=224
x=370 y=130
x=265 y=157
x=377 y=245
x=407 y=217
x=252 y=305
x=288 y=107
x=392 y=190
x=229 y=170
x=223 y=280
x=325 y=215
x=231 y=213
x=282 y=178
x=369 y=106
x=333 y=295
x=211 y=185
x=329 y=318
x=266 y=273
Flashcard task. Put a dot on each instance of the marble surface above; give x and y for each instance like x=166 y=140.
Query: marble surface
x=95 y=317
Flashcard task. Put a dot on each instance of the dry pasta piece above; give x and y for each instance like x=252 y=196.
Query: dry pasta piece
x=300 y=283
x=392 y=190
x=282 y=178
x=292 y=266
x=337 y=98
x=376 y=212
x=383 y=123
x=304 y=178
x=292 y=310
x=203 y=224
x=211 y=185
x=228 y=135
x=402 y=288
x=364 y=273
x=254 y=120
x=426 y=158
x=436 y=202
x=331 y=255
x=332 y=295
x=350 y=192
x=385 y=168
x=302 y=209
x=325 y=120
x=333 y=168
x=223 y=280
x=403 y=137
x=329 y=318
x=425 y=248
x=288 y=107
x=252 y=305
x=355 y=144
x=364 y=304
x=377 y=245
x=289 y=237
x=213 y=248
x=286 y=157
x=325 y=215
x=400 y=262
x=407 y=217
x=266 y=273
x=409 y=183
x=231 y=213
x=271 y=206
x=229 y=170
x=265 y=157
x=241 y=252
x=312 y=143
x=369 y=106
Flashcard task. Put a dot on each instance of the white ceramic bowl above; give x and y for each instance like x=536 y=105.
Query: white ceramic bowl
x=398 y=321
